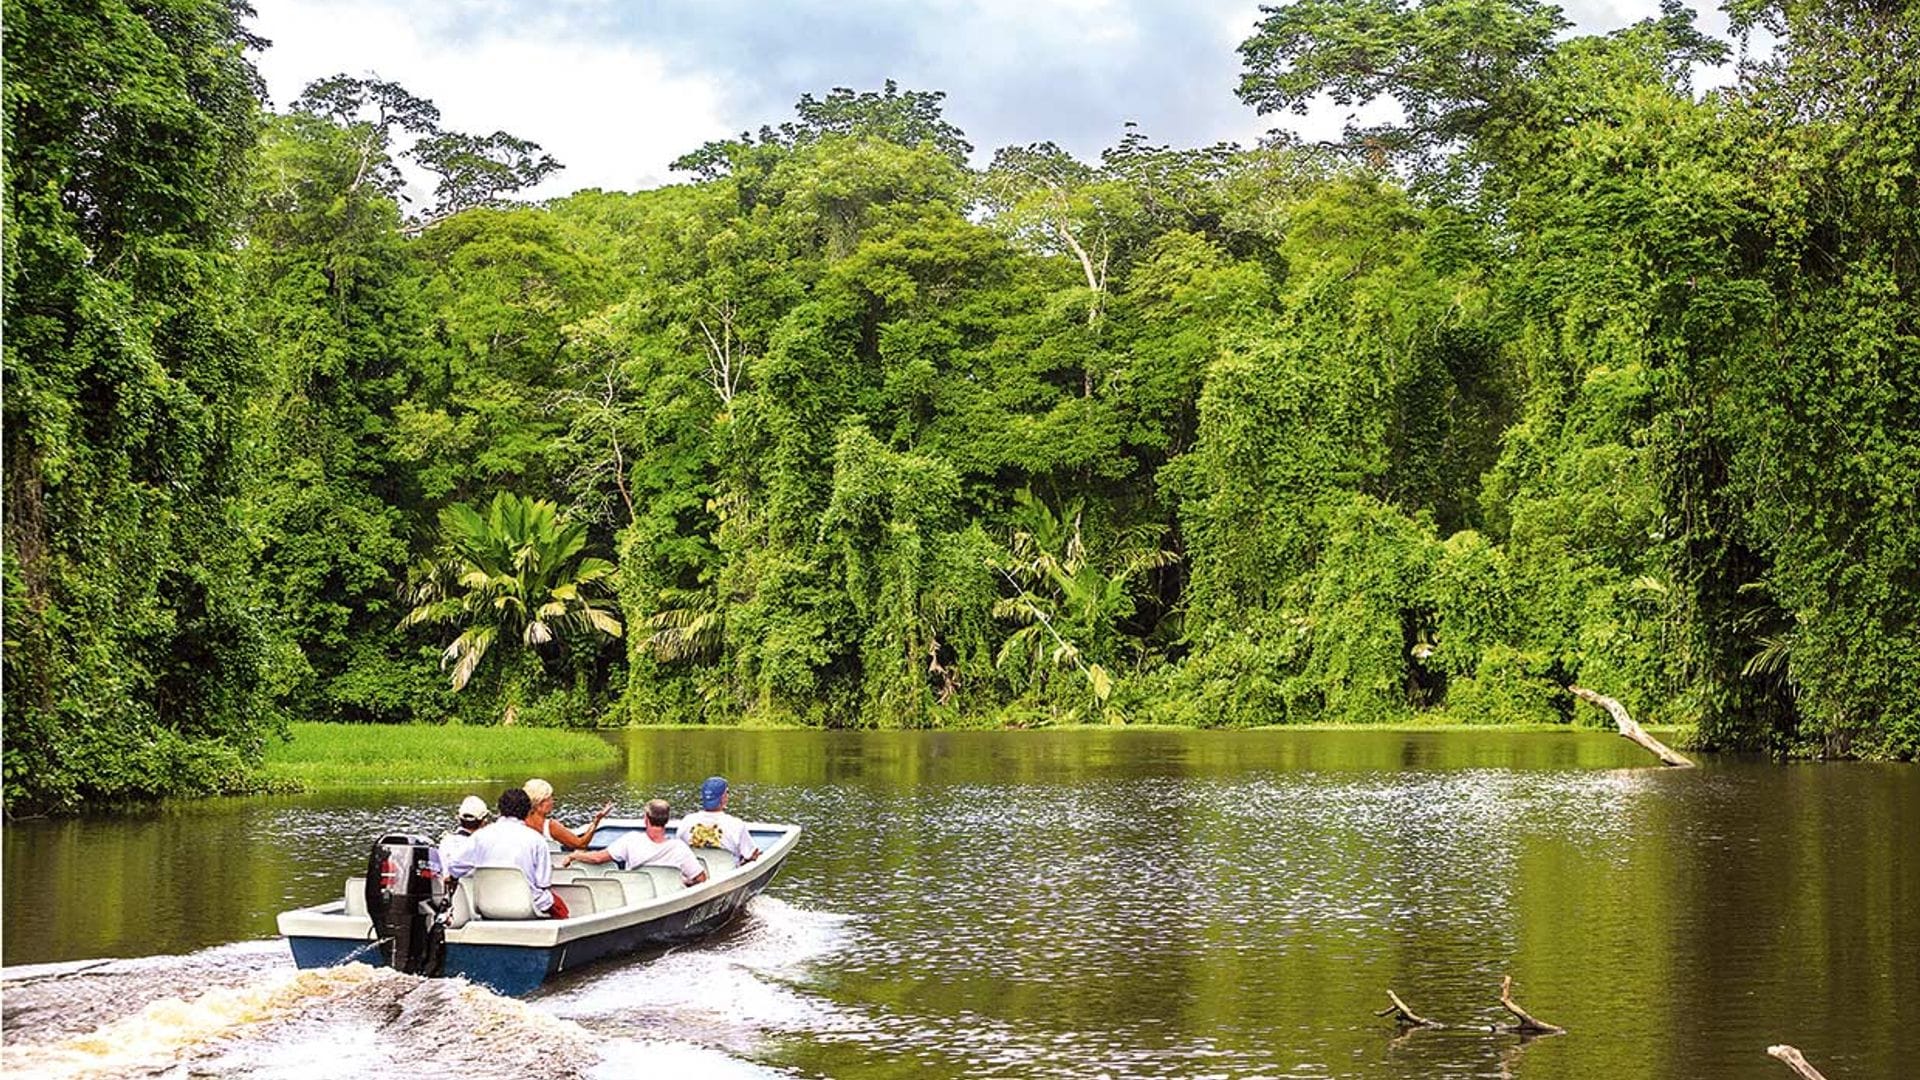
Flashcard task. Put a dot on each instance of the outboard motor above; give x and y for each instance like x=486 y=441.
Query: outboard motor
x=407 y=900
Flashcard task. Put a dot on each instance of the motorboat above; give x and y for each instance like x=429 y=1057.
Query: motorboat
x=404 y=913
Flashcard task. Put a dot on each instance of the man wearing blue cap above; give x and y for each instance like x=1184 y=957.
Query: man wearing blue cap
x=712 y=827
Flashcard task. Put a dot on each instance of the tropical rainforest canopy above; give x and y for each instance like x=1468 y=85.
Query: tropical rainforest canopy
x=1571 y=374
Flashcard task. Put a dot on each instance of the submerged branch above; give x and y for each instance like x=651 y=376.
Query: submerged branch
x=1404 y=1016
x=1527 y=1024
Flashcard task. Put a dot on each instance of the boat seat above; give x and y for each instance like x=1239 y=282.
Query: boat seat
x=588 y=869
x=666 y=879
x=607 y=893
x=578 y=898
x=500 y=892
x=716 y=862
x=356 y=896
x=460 y=907
x=638 y=885
x=565 y=875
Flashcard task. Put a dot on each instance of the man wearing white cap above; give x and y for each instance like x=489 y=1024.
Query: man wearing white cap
x=473 y=814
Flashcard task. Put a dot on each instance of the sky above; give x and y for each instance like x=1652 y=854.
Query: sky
x=616 y=89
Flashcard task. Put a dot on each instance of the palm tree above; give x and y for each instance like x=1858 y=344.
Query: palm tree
x=514 y=575
x=690 y=625
x=1067 y=606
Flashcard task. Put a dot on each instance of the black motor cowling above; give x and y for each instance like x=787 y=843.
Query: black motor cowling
x=406 y=899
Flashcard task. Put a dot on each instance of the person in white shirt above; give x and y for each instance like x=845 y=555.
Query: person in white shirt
x=712 y=827
x=509 y=842
x=649 y=847
x=473 y=816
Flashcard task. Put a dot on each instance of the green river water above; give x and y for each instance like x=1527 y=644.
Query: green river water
x=1076 y=903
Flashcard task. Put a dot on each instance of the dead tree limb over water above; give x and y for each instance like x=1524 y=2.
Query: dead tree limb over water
x=1631 y=729
x=1791 y=1058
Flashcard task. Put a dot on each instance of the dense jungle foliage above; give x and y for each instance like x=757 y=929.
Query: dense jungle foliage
x=1572 y=374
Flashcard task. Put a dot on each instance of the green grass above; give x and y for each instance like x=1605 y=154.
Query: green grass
x=339 y=755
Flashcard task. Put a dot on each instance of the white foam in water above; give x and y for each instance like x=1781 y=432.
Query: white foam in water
x=623 y=1058
x=718 y=993
x=776 y=938
x=46 y=1003
x=284 y=1024
x=243 y=1010
x=164 y=1029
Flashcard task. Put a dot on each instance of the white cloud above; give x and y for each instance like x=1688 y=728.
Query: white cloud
x=609 y=110
x=617 y=90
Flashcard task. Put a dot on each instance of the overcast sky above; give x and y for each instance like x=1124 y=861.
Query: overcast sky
x=616 y=89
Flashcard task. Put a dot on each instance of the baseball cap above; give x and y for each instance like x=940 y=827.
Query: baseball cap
x=712 y=792
x=473 y=808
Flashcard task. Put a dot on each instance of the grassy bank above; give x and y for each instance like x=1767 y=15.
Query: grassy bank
x=341 y=755
x=334 y=755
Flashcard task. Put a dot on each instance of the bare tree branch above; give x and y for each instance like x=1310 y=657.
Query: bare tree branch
x=722 y=370
x=1404 y=1016
x=1792 y=1059
x=1527 y=1024
x=1630 y=730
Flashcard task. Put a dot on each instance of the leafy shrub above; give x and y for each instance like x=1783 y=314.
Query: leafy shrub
x=1507 y=687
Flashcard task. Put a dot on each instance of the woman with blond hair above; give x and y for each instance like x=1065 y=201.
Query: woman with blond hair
x=540 y=820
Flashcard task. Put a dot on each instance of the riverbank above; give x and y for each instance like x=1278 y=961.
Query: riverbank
x=358 y=755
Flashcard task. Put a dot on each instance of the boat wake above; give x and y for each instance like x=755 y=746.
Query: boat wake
x=220 y=1014
x=730 y=992
x=244 y=1010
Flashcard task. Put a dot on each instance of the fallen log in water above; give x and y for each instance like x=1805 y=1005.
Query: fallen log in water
x=1630 y=729
x=1404 y=1016
x=1527 y=1025
x=1791 y=1059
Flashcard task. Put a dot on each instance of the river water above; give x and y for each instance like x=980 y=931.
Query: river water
x=1060 y=904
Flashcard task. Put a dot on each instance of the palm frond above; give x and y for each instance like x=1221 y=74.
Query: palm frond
x=604 y=622
x=1022 y=644
x=1774 y=658
x=435 y=611
x=591 y=570
x=466 y=653
x=684 y=633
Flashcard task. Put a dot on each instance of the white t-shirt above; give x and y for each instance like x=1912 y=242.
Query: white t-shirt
x=452 y=847
x=717 y=829
x=638 y=849
x=508 y=842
